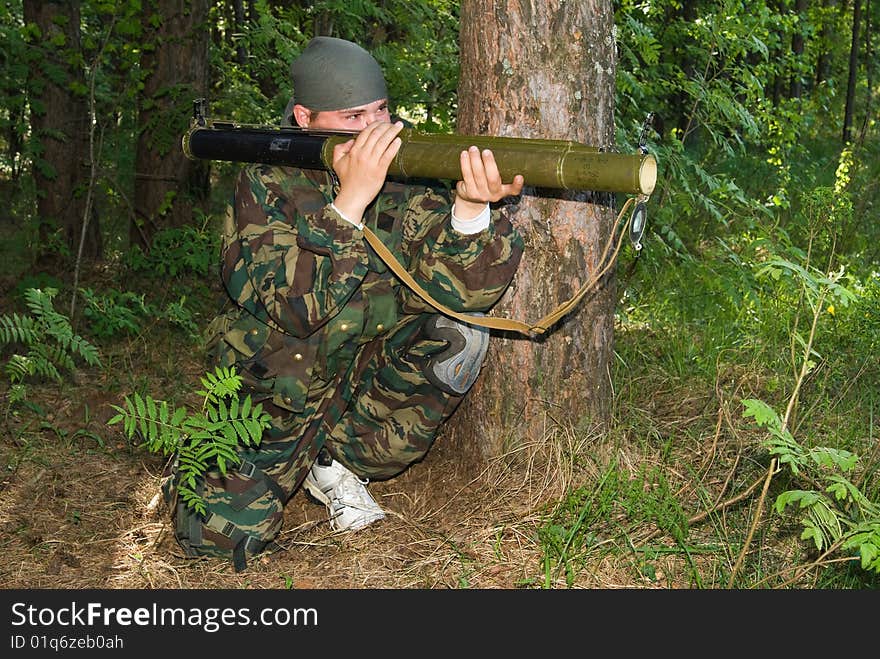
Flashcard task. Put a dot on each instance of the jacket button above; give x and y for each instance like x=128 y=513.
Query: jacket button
x=255 y=331
x=380 y=327
x=344 y=327
x=297 y=357
x=288 y=400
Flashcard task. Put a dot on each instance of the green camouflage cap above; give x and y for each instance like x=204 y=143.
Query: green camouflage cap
x=335 y=74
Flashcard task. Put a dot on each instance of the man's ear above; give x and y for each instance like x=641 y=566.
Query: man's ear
x=301 y=116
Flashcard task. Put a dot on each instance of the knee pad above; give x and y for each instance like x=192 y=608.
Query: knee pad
x=455 y=369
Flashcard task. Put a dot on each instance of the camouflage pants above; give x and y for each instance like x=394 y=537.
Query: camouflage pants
x=377 y=418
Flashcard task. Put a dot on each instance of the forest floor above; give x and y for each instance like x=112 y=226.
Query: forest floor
x=76 y=514
x=80 y=506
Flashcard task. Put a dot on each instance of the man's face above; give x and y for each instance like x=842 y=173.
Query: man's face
x=354 y=119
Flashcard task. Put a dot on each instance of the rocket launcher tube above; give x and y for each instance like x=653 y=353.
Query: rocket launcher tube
x=554 y=164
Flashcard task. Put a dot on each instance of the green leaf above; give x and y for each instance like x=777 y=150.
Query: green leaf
x=763 y=414
x=179 y=415
x=139 y=405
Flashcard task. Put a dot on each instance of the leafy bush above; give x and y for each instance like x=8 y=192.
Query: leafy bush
x=203 y=439
x=836 y=514
x=115 y=312
x=177 y=251
x=47 y=342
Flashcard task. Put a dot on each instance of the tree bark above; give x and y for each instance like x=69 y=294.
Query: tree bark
x=241 y=55
x=796 y=86
x=826 y=37
x=167 y=184
x=853 y=73
x=547 y=69
x=59 y=122
x=870 y=63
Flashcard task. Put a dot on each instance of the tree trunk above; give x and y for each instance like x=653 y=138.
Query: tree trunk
x=826 y=37
x=870 y=63
x=241 y=55
x=59 y=121
x=175 y=62
x=686 y=12
x=796 y=86
x=853 y=72
x=543 y=70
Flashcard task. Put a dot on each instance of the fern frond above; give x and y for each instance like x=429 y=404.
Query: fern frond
x=49 y=336
x=192 y=499
x=42 y=366
x=159 y=428
x=207 y=439
x=58 y=327
x=57 y=355
x=191 y=462
x=86 y=350
x=39 y=301
x=865 y=538
x=224 y=382
x=18 y=329
x=17 y=393
x=18 y=368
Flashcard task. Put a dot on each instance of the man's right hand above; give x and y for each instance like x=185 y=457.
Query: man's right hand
x=362 y=165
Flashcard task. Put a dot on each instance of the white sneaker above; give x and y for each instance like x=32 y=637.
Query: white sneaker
x=350 y=505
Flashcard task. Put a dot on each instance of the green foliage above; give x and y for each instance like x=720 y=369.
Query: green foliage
x=835 y=512
x=13 y=85
x=732 y=142
x=415 y=42
x=760 y=217
x=857 y=328
x=566 y=533
x=44 y=341
x=177 y=251
x=569 y=532
x=179 y=314
x=114 y=312
x=38 y=280
x=204 y=439
x=706 y=96
x=421 y=61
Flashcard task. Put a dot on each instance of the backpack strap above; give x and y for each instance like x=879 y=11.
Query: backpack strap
x=243 y=543
x=266 y=484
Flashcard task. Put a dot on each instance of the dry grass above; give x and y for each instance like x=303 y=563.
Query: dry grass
x=76 y=515
x=80 y=518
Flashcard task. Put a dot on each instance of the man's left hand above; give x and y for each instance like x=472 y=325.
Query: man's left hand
x=481 y=183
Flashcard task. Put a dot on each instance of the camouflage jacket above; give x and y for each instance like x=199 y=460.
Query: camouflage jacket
x=308 y=290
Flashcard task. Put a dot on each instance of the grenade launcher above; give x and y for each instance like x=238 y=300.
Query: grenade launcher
x=554 y=164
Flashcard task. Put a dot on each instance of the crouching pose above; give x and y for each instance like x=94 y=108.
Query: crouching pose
x=357 y=372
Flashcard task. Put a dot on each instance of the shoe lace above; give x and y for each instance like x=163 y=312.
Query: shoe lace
x=351 y=491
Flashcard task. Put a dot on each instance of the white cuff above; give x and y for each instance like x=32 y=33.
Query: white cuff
x=477 y=224
x=342 y=215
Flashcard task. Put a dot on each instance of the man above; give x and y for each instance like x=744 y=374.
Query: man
x=356 y=370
